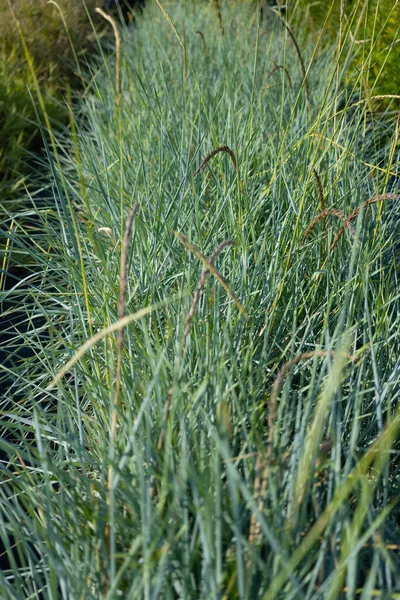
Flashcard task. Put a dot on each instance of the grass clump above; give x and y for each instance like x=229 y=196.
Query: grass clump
x=258 y=459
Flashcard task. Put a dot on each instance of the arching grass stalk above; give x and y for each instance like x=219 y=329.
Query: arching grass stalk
x=117 y=52
x=353 y=215
x=321 y=199
x=263 y=462
x=203 y=41
x=322 y=216
x=200 y=285
x=320 y=191
x=213 y=153
x=121 y=313
x=110 y=525
x=303 y=69
x=219 y=16
x=184 y=54
x=285 y=70
x=114 y=327
x=192 y=248
x=170 y=23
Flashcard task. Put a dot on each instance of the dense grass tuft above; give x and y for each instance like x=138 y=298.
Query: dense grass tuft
x=240 y=439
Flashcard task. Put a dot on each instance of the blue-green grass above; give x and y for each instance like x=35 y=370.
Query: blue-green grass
x=211 y=482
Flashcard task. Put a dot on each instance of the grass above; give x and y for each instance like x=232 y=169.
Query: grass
x=238 y=436
x=59 y=37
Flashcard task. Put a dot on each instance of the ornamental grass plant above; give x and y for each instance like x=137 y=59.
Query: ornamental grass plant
x=210 y=404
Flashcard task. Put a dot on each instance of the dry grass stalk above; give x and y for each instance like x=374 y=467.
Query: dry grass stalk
x=367 y=100
x=209 y=268
x=219 y=16
x=195 y=250
x=121 y=312
x=200 y=285
x=123 y=279
x=120 y=343
x=320 y=191
x=170 y=23
x=342 y=7
x=322 y=215
x=283 y=68
x=373 y=200
x=213 y=153
x=262 y=464
x=356 y=211
x=303 y=69
x=203 y=42
x=117 y=51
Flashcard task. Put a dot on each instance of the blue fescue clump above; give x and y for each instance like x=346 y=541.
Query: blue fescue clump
x=210 y=405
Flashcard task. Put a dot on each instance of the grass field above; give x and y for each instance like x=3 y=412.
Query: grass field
x=210 y=406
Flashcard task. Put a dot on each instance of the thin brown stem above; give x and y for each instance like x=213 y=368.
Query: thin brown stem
x=184 y=54
x=123 y=285
x=219 y=16
x=356 y=211
x=303 y=69
x=120 y=343
x=320 y=190
x=165 y=418
x=203 y=41
x=284 y=69
x=322 y=215
x=200 y=285
x=213 y=153
x=117 y=51
x=195 y=250
x=321 y=202
x=263 y=463
x=121 y=313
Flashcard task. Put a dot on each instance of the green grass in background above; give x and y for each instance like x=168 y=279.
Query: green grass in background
x=255 y=456
x=371 y=30
x=59 y=37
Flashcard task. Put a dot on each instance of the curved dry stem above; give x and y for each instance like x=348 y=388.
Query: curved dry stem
x=322 y=215
x=320 y=190
x=123 y=285
x=263 y=463
x=184 y=53
x=374 y=200
x=213 y=153
x=219 y=16
x=195 y=250
x=203 y=41
x=237 y=29
x=303 y=69
x=165 y=418
x=284 y=69
x=356 y=211
x=170 y=23
x=117 y=50
x=99 y=336
x=200 y=285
